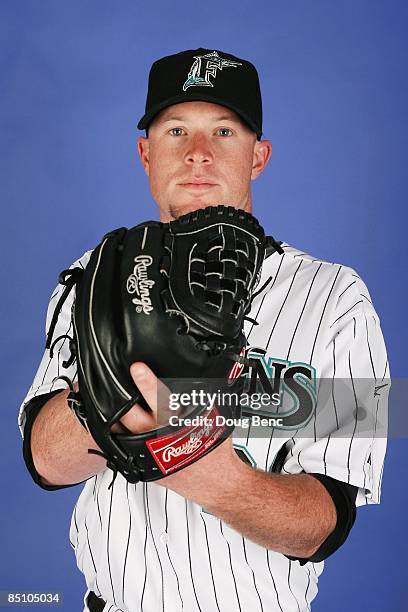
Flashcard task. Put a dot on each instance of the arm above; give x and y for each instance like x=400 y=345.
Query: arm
x=55 y=444
x=59 y=445
x=292 y=514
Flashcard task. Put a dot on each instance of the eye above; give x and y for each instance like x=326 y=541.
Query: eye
x=225 y=132
x=176 y=131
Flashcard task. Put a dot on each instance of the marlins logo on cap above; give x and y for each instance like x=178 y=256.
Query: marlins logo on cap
x=205 y=66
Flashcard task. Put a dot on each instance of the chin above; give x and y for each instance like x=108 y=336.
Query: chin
x=183 y=209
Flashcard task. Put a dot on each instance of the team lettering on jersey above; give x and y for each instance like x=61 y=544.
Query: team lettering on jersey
x=294 y=383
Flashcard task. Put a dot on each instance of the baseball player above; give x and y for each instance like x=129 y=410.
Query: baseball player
x=248 y=526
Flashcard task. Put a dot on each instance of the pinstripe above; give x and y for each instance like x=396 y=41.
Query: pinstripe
x=298 y=461
x=334 y=406
x=290 y=588
x=303 y=309
x=175 y=573
x=92 y=557
x=76 y=524
x=385 y=369
x=266 y=466
x=283 y=304
x=146 y=501
x=346 y=289
x=252 y=572
x=107 y=545
x=273 y=580
x=365 y=467
x=307 y=588
x=376 y=418
x=380 y=480
x=98 y=506
x=145 y=568
x=189 y=557
x=168 y=552
x=333 y=378
x=266 y=294
x=209 y=562
x=89 y=546
x=369 y=351
x=44 y=377
x=378 y=400
x=232 y=570
x=325 y=453
x=290 y=453
x=366 y=298
x=128 y=542
x=95 y=478
x=347 y=311
x=355 y=418
x=322 y=314
x=248 y=432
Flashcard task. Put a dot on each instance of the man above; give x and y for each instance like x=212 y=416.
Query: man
x=246 y=527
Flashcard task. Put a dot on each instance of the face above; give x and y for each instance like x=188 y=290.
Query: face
x=200 y=154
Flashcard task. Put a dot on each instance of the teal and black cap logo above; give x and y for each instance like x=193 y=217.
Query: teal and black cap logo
x=209 y=76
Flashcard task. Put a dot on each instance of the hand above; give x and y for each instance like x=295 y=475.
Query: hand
x=137 y=419
x=204 y=481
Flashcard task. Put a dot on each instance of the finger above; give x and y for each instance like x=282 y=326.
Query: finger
x=153 y=390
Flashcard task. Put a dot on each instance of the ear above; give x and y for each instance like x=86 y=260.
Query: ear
x=143 y=150
x=262 y=154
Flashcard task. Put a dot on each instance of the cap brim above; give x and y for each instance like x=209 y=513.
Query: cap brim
x=148 y=117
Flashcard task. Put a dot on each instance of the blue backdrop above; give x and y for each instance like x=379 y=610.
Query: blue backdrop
x=72 y=87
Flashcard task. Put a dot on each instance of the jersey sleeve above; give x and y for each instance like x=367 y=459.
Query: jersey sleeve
x=347 y=436
x=51 y=366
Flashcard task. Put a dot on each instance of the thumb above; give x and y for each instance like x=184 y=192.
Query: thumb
x=137 y=419
x=156 y=393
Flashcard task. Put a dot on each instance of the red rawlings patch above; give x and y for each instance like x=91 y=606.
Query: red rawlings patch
x=176 y=450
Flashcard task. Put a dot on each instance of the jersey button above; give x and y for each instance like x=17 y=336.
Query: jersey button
x=164 y=537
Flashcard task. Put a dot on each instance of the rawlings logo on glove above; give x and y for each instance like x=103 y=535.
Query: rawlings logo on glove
x=139 y=282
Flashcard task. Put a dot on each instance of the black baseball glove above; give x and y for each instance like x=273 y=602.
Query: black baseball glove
x=174 y=296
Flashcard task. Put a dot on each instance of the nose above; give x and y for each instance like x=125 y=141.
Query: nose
x=199 y=150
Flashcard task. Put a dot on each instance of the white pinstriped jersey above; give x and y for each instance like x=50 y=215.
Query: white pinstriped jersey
x=142 y=547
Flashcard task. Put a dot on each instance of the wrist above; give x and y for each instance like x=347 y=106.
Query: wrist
x=212 y=480
x=228 y=485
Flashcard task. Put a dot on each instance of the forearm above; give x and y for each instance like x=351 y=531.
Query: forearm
x=59 y=445
x=291 y=514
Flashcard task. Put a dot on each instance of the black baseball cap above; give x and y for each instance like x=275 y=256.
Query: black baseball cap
x=209 y=76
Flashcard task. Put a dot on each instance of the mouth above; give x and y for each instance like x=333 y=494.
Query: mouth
x=198 y=184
